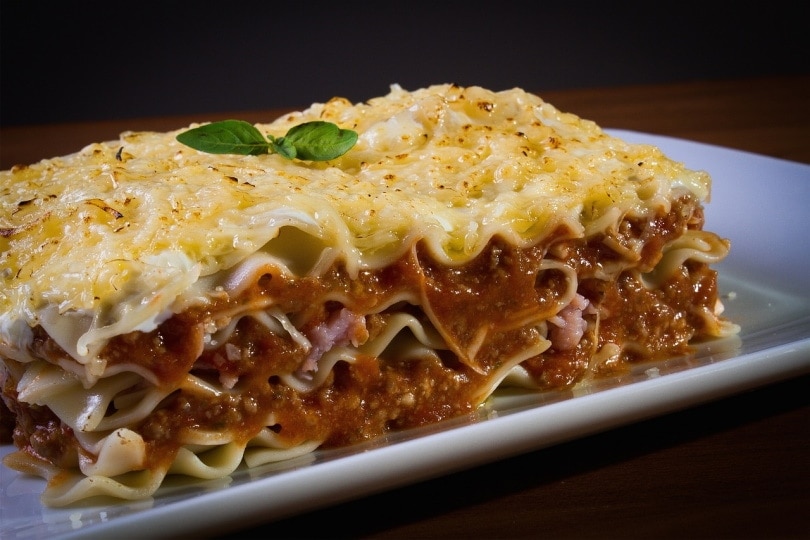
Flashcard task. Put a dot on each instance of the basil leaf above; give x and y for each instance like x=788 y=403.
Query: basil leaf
x=315 y=141
x=285 y=147
x=320 y=141
x=226 y=137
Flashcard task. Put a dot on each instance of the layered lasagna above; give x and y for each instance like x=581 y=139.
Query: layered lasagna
x=168 y=311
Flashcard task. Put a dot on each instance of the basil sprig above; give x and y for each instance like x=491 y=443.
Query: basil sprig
x=314 y=141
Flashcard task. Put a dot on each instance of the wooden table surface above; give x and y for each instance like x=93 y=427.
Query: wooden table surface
x=738 y=467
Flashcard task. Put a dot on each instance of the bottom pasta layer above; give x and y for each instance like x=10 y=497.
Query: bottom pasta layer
x=167 y=311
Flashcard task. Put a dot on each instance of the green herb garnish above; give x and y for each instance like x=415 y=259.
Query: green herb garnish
x=315 y=141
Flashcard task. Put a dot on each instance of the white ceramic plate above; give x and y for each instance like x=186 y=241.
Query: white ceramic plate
x=760 y=203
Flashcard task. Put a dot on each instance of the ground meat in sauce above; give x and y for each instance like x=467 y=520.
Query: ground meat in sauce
x=368 y=398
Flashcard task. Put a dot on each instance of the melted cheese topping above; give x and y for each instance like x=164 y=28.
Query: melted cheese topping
x=121 y=233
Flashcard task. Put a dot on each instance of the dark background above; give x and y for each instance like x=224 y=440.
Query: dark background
x=90 y=60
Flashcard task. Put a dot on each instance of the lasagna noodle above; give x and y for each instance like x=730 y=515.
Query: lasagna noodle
x=166 y=311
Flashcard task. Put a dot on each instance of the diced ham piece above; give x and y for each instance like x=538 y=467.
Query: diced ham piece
x=568 y=326
x=341 y=328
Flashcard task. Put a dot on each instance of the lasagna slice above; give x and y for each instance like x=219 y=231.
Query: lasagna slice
x=165 y=310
